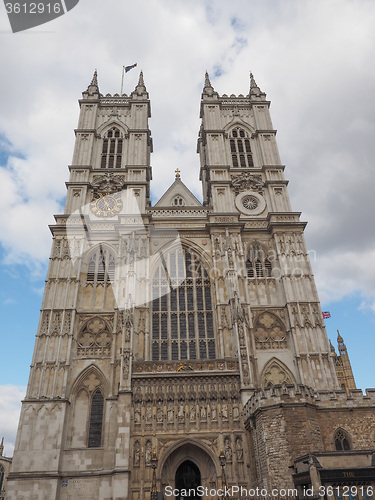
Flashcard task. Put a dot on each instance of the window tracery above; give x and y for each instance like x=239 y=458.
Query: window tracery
x=269 y=332
x=112 y=149
x=258 y=265
x=240 y=148
x=95 y=339
x=101 y=267
x=182 y=317
x=276 y=373
x=341 y=440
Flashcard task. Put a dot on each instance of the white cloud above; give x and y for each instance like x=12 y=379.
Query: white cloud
x=313 y=59
x=10 y=407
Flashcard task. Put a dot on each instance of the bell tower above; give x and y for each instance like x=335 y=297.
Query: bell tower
x=76 y=413
x=267 y=263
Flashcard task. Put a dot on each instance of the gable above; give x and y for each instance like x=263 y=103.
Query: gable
x=178 y=195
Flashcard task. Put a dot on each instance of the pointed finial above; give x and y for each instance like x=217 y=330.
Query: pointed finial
x=331 y=347
x=141 y=82
x=252 y=81
x=339 y=338
x=2 y=447
x=93 y=88
x=254 y=89
x=140 y=89
x=207 y=82
x=208 y=88
x=94 y=80
x=177 y=172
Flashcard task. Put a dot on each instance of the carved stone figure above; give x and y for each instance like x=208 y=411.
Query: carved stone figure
x=227 y=450
x=170 y=413
x=192 y=413
x=137 y=454
x=239 y=449
x=137 y=415
x=159 y=414
x=148 y=454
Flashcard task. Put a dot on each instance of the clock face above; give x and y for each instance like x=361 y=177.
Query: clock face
x=106 y=204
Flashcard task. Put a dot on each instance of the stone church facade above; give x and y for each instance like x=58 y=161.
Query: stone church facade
x=184 y=330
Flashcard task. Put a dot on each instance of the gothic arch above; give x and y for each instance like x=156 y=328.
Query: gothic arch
x=182 y=310
x=90 y=384
x=90 y=374
x=269 y=331
x=238 y=122
x=342 y=440
x=276 y=373
x=188 y=449
x=101 y=253
x=112 y=122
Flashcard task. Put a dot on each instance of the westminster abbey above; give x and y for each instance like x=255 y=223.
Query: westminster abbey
x=181 y=344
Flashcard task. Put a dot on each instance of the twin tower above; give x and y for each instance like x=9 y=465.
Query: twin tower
x=176 y=332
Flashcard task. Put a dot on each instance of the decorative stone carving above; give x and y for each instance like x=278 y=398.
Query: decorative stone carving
x=228 y=450
x=269 y=332
x=239 y=449
x=137 y=454
x=148 y=453
x=246 y=181
x=275 y=373
x=108 y=183
x=94 y=339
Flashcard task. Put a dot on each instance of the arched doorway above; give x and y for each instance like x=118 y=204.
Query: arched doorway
x=188 y=478
x=204 y=469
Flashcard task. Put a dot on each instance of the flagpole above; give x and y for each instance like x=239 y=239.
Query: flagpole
x=122 y=79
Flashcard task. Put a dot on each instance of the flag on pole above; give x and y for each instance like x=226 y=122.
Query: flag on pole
x=128 y=68
x=125 y=69
x=326 y=314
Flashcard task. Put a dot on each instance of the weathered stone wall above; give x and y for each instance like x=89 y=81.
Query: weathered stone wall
x=286 y=423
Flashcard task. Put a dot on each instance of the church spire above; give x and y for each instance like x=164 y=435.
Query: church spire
x=2 y=447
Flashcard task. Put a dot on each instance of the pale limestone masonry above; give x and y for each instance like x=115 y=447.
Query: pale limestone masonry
x=183 y=328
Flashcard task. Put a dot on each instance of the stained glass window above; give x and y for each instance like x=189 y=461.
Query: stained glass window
x=182 y=315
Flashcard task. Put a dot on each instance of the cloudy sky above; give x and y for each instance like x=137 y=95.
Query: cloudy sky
x=313 y=58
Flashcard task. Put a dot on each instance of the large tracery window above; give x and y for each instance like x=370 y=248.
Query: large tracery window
x=112 y=149
x=240 y=149
x=182 y=315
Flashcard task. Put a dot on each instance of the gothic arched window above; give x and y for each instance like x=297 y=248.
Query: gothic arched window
x=96 y=420
x=178 y=201
x=258 y=265
x=112 y=149
x=341 y=440
x=182 y=314
x=240 y=148
x=101 y=267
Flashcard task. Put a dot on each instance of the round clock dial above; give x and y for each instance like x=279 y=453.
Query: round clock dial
x=106 y=204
